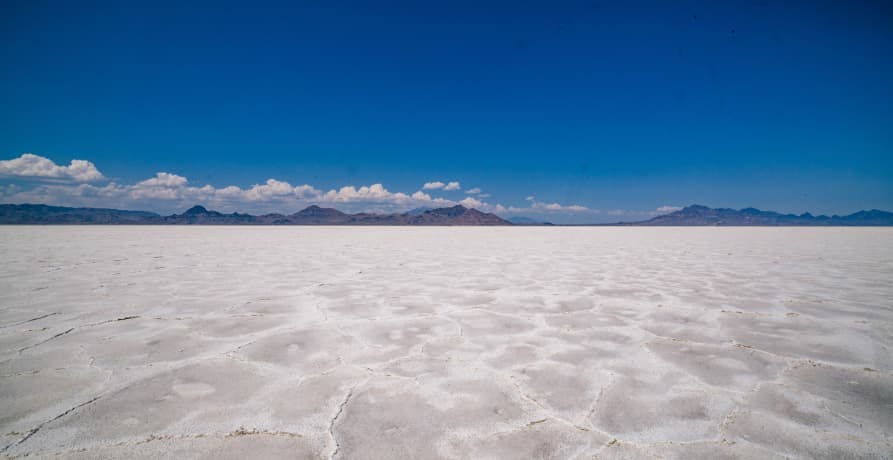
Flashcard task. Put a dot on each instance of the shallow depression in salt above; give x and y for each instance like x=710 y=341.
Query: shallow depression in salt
x=399 y=342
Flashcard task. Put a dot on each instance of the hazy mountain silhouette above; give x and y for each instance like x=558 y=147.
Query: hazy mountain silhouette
x=694 y=215
x=199 y=215
x=697 y=215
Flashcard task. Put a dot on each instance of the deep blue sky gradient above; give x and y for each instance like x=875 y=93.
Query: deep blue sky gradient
x=612 y=105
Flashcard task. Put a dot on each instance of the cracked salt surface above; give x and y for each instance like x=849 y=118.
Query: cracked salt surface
x=297 y=342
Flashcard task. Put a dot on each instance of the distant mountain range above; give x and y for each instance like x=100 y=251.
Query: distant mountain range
x=694 y=215
x=697 y=215
x=521 y=220
x=198 y=215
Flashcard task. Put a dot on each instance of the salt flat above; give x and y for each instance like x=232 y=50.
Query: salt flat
x=404 y=342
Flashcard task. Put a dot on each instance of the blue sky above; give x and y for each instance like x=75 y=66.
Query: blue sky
x=571 y=111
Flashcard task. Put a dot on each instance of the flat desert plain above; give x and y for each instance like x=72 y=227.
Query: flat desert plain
x=407 y=342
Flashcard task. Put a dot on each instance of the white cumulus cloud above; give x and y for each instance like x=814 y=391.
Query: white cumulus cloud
x=36 y=166
x=470 y=202
x=437 y=185
x=558 y=207
x=667 y=209
x=163 y=179
x=374 y=192
x=537 y=207
x=279 y=189
x=433 y=185
x=421 y=196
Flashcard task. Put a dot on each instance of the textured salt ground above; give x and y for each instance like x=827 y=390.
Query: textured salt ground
x=216 y=342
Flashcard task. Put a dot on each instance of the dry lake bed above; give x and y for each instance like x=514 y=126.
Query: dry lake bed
x=407 y=342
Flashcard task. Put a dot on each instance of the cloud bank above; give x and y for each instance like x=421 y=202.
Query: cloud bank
x=40 y=180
